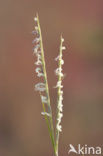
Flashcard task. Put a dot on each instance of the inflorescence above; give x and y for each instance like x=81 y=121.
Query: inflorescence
x=43 y=88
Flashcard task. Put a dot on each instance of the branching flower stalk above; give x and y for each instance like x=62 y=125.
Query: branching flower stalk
x=43 y=88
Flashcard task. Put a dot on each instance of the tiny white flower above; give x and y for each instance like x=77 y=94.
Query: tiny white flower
x=36 y=40
x=59 y=128
x=62 y=39
x=62 y=61
x=59 y=85
x=58 y=71
x=40 y=87
x=57 y=58
x=60 y=115
x=61 y=98
x=61 y=74
x=34 y=32
x=38 y=71
x=35 y=49
x=63 y=48
x=38 y=55
x=61 y=92
x=45 y=113
x=44 y=99
x=60 y=106
x=38 y=62
x=36 y=28
x=59 y=118
x=35 y=19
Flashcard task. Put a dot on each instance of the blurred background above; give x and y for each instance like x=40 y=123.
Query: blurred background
x=23 y=131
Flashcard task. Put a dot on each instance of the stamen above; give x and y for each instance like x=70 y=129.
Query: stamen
x=63 y=48
x=44 y=99
x=38 y=71
x=45 y=113
x=35 y=19
x=59 y=127
x=40 y=87
x=36 y=40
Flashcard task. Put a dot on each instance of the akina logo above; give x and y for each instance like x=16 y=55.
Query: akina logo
x=85 y=150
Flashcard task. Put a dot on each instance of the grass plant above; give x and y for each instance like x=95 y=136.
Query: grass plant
x=43 y=87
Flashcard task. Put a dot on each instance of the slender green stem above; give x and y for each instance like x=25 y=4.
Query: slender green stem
x=47 y=122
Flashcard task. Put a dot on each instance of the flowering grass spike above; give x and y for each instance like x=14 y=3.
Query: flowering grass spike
x=43 y=88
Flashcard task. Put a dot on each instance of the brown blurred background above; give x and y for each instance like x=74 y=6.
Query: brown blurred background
x=23 y=131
